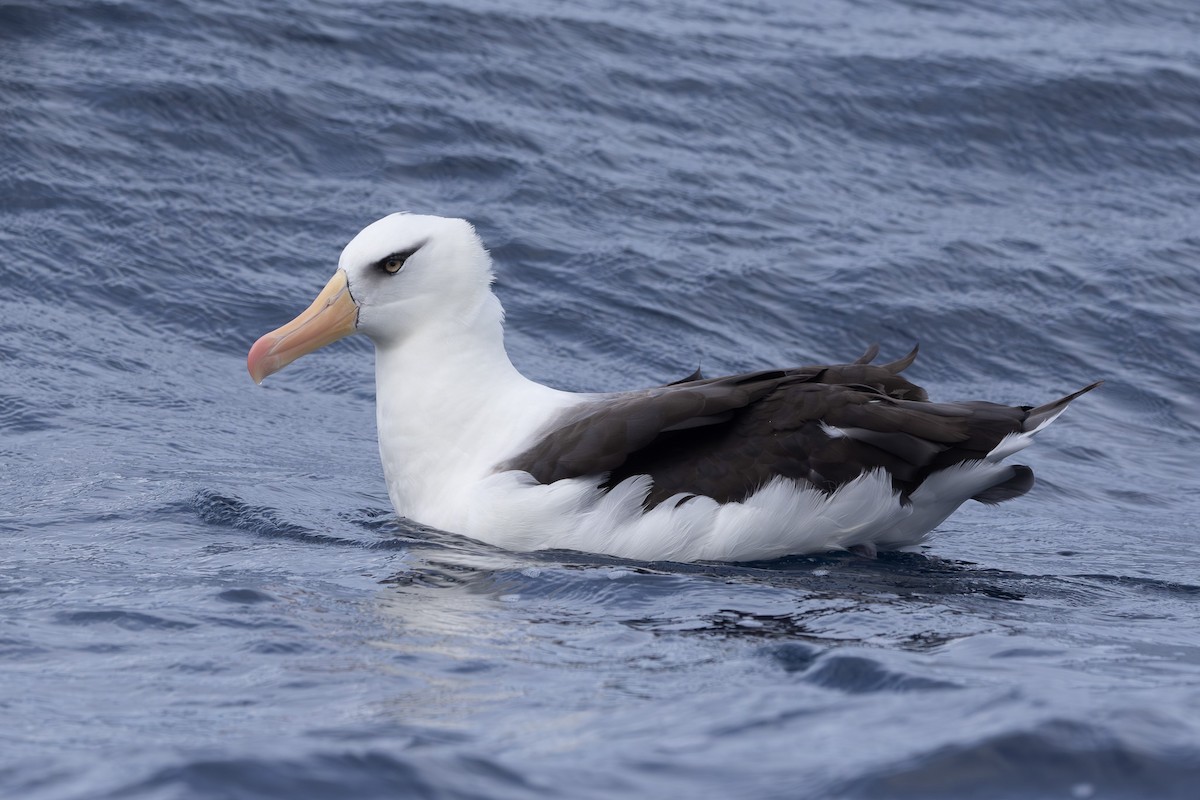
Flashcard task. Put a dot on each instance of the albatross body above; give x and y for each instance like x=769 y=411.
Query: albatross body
x=743 y=467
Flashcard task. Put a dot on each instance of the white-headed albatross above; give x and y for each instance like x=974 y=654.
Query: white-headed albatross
x=739 y=468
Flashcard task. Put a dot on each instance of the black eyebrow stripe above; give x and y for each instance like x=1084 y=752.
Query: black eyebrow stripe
x=403 y=255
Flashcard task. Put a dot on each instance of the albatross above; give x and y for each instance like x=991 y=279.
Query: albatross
x=737 y=468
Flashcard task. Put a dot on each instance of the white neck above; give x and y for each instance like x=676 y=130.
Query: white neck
x=450 y=405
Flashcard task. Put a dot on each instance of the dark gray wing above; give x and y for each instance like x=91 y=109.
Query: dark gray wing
x=819 y=434
x=822 y=426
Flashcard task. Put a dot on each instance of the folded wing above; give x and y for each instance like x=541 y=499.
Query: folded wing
x=820 y=426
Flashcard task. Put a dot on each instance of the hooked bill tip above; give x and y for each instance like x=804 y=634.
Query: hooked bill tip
x=258 y=361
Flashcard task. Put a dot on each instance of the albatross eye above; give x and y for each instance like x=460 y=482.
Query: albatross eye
x=395 y=262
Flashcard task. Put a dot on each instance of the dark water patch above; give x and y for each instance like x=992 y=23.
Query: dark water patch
x=905 y=575
x=20 y=416
x=1148 y=585
x=859 y=675
x=1058 y=758
x=993 y=115
x=462 y=563
x=15 y=648
x=425 y=577
x=468 y=130
x=1083 y=453
x=88 y=16
x=376 y=520
x=129 y=620
x=1028 y=652
x=280 y=648
x=104 y=648
x=395 y=533
x=794 y=656
x=570 y=576
x=411 y=736
x=230 y=512
x=249 y=622
x=827 y=621
x=19 y=21
x=37 y=782
x=621 y=586
x=443 y=168
x=740 y=624
x=246 y=597
x=1117 y=12
x=198 y=668
x=366 y=775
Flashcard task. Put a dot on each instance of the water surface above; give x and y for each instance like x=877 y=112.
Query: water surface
x=203 y=591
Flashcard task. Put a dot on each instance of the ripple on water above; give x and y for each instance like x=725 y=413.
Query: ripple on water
x=245 y=596
x=364 y=775
x=1056 y=758
x=128 y=620
x=20 y=416
x=222 y=510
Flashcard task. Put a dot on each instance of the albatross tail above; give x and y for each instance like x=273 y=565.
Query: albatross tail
x=1019 y=478
x=1035 y=420
x=1042 y=416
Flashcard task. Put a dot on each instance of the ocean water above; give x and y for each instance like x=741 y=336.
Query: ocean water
x=203 y=590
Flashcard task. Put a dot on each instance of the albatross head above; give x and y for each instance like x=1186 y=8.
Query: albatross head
x=401 y=274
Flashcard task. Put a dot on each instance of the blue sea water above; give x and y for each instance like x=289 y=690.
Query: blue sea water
x=203 y=590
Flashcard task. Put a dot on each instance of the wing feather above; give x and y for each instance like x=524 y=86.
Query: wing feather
x=726 y=437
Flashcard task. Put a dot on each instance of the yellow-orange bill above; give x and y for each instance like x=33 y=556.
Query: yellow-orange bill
x=330 y=317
